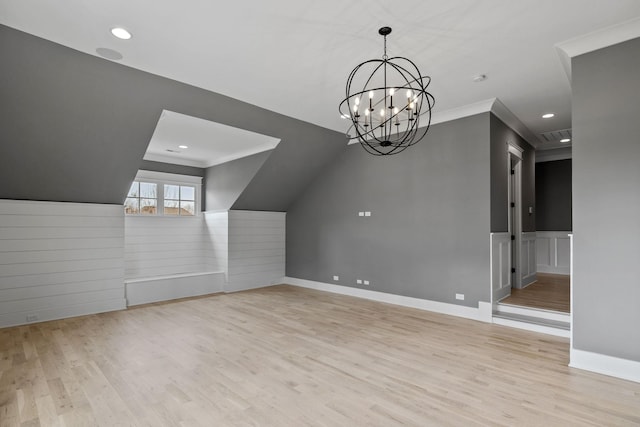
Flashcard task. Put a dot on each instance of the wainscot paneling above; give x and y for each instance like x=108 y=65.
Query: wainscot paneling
x=553 y=253
x=217 y=240
x=528 y=266
x=256 y=249
x=160 y=246
x=500 y=265
x=59 y=260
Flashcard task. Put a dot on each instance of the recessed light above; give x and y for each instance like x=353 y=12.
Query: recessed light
x=548 y=115
x=121 y=33
x=183 y=146
x=565 y=140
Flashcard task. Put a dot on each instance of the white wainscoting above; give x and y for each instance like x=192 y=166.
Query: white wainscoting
x=500 y=265
x=164 y=288
x=174 y=257
x=161 y=245
x=59 y=260
x=217 y=241
x=553 y=252
x=256 y=249
x=528 y=265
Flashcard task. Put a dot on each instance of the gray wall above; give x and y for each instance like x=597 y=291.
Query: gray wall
x=428 y=236
x=553 y=196
x=74 y=127
x=225 y=182
x=606 y=200
x=500 y=135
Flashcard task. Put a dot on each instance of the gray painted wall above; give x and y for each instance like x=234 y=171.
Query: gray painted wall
x=74 y=127
x=428 y=235
x=553 y=196
x=500 y=135
x=606 y=201
x=225 y=182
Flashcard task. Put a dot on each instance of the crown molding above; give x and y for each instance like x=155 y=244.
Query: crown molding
x=595 y=40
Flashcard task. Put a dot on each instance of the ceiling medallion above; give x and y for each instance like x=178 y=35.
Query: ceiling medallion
x=387 y=101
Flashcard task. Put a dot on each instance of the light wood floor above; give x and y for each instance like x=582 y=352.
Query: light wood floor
x=285 y=356
x=550 y=292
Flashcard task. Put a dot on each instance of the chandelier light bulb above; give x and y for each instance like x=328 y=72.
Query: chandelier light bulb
x=409 y=93
x=355 y=108
x=366 y=112
x=357 y=101
x=392 y=91
x=370 y=94
x=382 y=112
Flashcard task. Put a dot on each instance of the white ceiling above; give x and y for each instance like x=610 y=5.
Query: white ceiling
x=208 y=143
x=294 y=56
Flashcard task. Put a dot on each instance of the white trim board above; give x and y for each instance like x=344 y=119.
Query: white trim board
x=482 y=313
x=606 y=365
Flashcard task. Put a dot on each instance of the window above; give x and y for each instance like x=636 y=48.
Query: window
x=158 y=193
x=179 y=200
x=142 y=198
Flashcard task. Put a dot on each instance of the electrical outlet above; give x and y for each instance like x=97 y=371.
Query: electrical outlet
x=460 y=297
x=359 y=282
x=32 y=317
x=367 y=213
x=360 y=213
x=366 y=282
x=336 y=278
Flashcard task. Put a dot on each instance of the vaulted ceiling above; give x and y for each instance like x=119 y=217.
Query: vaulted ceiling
x=293 y=56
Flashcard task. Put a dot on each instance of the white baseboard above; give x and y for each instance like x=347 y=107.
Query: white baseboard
x=565 y=270
x=482 y=313
x=606 y=365
x=529 y=280
x=164 y=288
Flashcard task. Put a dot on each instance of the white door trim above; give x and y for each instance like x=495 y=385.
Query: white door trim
x=515 y=196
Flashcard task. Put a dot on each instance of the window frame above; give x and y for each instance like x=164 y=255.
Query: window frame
x=163 y=178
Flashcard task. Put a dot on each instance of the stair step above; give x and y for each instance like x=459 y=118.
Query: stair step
x=558 y=324
x=507 y=309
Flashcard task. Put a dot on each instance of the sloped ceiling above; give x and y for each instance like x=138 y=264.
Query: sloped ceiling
x=293 y=56
x=74 y=127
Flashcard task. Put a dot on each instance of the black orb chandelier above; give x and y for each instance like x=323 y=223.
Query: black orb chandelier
x=387 y=101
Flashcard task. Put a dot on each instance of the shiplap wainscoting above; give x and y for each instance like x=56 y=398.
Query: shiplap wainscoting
x=500 y=264
x=167 y=258
x=528 y=265
x=164 y=245
x=217 y=240
x=256 y=249
x=553 y=252
x=59 y=260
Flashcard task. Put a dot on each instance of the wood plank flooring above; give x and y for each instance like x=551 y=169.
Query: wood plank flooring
x=549 y=292
x=286 y=356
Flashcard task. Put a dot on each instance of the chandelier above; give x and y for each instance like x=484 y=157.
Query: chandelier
x=386 y=100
